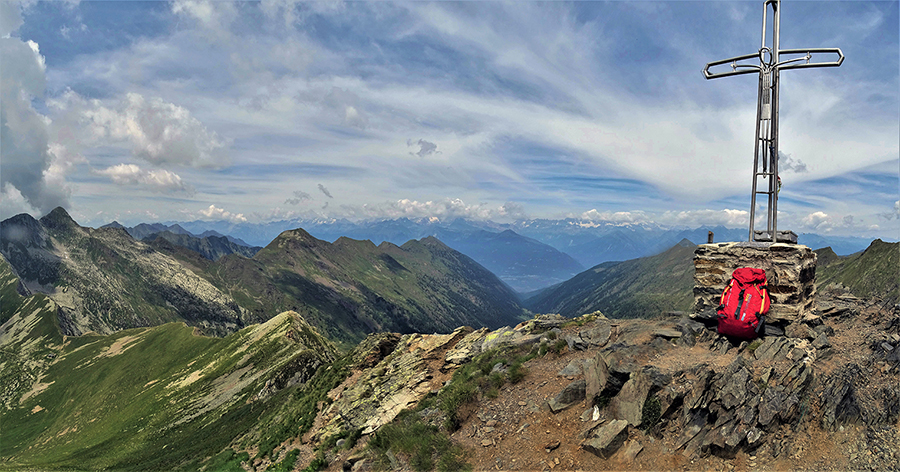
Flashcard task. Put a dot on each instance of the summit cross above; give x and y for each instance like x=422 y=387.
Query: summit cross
x=771 y=63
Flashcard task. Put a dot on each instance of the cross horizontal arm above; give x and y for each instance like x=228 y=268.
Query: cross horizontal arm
x=744 y=68
x=809 y=54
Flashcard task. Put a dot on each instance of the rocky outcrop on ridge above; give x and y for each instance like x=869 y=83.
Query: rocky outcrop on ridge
x=667 y=393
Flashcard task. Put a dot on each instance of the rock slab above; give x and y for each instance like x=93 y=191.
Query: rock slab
x=607 y=439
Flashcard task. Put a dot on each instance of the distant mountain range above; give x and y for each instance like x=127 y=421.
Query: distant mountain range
x=145 y=231
x=105 y=280
x=589 y=243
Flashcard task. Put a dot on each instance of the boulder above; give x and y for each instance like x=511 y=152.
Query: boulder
x=572 y=394
x=607 y=439
x=821 y=342
x=507 y=336
x=572 y=369
x=632 y=449
x=597 y=334
x=629 y=403
x=541 y=323
x=596 y=375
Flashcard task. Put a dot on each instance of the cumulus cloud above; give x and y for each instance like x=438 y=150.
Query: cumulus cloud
x=818 y=220
x=705 y=217
x=325 y=191
x=24 y=132
x=158 y=180
x=214 y=213
x=158 y=132
x=596 y=216
x=10 y=18
x=12 y=203
x=787 y=163
x=426 y=148
x=298 y=198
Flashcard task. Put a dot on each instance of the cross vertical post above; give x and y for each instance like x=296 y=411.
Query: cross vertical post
x=765 y=151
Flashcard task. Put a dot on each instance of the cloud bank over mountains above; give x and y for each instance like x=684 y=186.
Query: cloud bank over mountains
x=258 y=111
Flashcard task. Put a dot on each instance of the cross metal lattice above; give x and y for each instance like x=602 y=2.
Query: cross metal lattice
x=771 y=63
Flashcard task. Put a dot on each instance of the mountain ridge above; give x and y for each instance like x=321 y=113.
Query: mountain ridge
x=105 y=280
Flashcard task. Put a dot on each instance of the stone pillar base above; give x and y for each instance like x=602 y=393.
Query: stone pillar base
x=790 y=273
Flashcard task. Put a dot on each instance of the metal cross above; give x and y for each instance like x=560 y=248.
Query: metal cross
x=771 y=63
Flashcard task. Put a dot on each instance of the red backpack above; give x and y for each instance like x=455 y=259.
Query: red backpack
x=744 y=303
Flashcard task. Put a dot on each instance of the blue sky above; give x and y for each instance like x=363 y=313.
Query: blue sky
x=260 y=111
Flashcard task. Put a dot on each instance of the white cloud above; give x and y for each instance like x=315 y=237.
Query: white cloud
x=573 y=96
x=158 y=132
x=615 y=217
x=215 y=17
x=787 y=163
x=447 y=208
x=345 y=105
x=158 y=180
x=13 y=203
x=725 y=217
x=214 y=213
x=692 y=218
x=10 y=18
x=24 y=134
x=819 y=221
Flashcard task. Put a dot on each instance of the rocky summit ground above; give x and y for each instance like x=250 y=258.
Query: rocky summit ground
x=663 y=394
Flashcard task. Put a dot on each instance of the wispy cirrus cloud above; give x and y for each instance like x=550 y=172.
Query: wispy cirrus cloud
x=419 y=102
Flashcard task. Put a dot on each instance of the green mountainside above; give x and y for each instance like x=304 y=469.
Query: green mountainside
x=873 y=273
x=637 y=288
x=350 y=288
x=160 y=398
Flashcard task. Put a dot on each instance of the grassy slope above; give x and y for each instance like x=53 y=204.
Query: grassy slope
x=874 y=272
x=156 y=398
x=632 y=289
x=12 y=301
